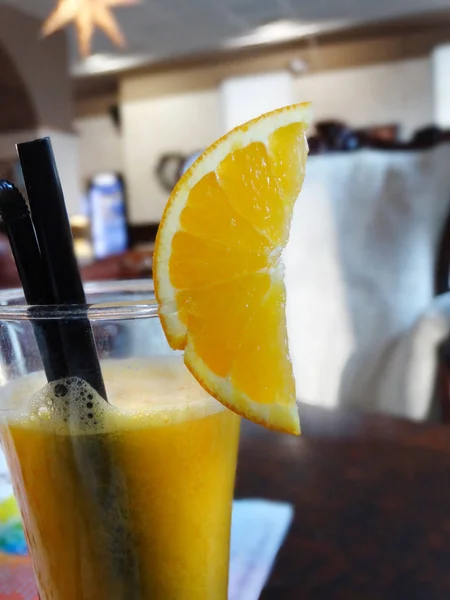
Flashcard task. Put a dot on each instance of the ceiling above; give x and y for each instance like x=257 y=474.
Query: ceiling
x=161 y=29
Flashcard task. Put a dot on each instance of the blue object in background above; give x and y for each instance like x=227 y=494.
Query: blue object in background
x=106 y=208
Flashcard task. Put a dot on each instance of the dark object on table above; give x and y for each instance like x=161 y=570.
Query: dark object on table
x=428 y=137
x=371 y=505
x=386 y=133
x=338 y=137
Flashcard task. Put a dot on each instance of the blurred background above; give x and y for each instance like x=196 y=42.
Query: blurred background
x=125 y=121
x=131 y=92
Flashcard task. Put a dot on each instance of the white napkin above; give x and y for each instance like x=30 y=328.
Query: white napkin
x=257 y=532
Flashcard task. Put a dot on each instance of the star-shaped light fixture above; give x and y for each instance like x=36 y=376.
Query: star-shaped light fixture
x=86 y=15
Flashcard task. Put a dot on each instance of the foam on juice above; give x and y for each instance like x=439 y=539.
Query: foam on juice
x=154 y=391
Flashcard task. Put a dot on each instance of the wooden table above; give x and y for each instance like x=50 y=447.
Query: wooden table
x=372 y=506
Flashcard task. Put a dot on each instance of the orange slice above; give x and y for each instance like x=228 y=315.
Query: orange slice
x=218 y=267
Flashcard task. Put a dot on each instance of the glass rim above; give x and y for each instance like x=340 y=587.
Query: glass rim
x=14 y=308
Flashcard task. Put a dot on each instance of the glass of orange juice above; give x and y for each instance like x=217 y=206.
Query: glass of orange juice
x=121 y=500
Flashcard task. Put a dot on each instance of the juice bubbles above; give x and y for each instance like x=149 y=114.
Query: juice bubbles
x=130 y=500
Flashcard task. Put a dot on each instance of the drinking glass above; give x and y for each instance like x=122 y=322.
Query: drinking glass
x=121 y=500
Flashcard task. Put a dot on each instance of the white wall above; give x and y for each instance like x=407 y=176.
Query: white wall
x=441 y=84
x=66 y=156
x=246 y=97
x=151 y=126
x=8 y=142
x=398 y=92
x=99 y=146
x=184 y=122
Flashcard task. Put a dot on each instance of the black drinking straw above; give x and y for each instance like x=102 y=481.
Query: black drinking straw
x=54 y=236
x=100 y=480
x=36 y=285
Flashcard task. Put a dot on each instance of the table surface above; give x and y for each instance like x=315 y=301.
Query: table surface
x=372 y=505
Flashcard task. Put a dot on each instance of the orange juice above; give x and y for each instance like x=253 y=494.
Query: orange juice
x=130 y=500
